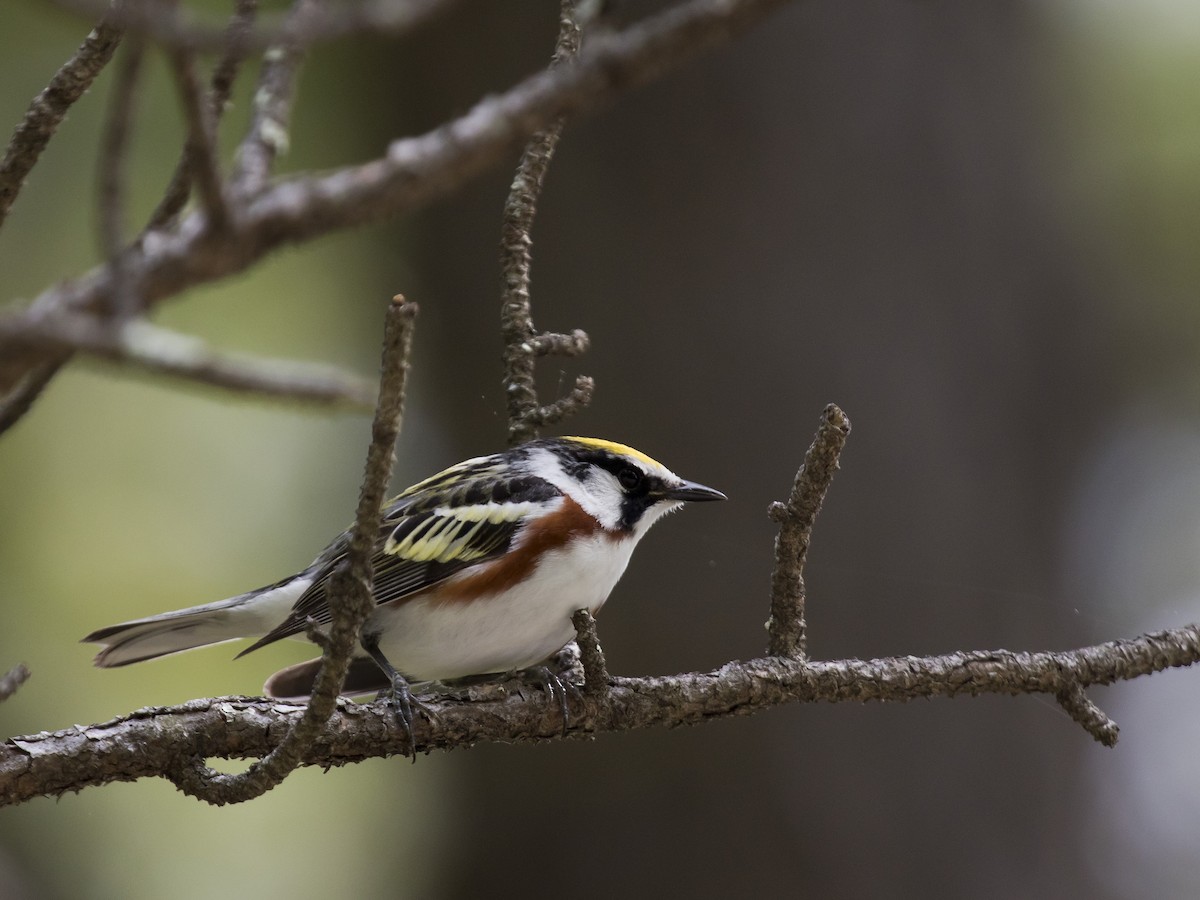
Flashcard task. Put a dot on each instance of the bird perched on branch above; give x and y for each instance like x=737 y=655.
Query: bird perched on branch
x=478 y=570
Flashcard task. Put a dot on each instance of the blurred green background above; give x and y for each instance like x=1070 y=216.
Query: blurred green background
x=971 y=225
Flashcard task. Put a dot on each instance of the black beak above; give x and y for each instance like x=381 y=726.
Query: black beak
x=692 y=492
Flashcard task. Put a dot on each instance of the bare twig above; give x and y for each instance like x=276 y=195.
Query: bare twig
x=141 y=345
x=522 y=344
x=124 y=303
x=591 y=655
x=200 y=150
x=786 y=628
x=12 y=680
x=1094 y=720
x=225 y=72
x=414 y=171
x=146 y=743
x=25 y=392
x=267 y=138
x=565 y=407
x=168 y=27
x=49 y=107
x=176 y=195
x=351 y=596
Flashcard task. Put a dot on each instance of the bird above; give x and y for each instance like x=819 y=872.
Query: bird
x=478 y=571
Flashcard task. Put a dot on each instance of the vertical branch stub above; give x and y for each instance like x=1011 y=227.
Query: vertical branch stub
x=786 y=628
x=591 y=655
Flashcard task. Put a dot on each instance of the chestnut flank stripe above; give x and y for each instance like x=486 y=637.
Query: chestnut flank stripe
x=547 y=533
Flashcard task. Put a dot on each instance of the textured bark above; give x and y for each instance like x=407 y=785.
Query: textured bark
x=156 y=741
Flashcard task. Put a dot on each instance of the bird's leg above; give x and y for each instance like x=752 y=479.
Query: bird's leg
x=402 y=700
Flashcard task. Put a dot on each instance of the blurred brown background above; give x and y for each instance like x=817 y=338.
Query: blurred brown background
x=972 y=225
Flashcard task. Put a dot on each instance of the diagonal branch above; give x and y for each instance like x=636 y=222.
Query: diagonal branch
x=49 y=108
x=351 y=596
x=147 y=742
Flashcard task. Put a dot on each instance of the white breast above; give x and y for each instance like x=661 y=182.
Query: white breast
x=431 y=640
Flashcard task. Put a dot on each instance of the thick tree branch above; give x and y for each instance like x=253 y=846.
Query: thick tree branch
x=351 y=597
x=414 y=171
x=147 y=743
x=50 y=107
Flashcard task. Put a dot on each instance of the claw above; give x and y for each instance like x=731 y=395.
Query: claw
x=401 y=700
x=556 y=688
x=405 y=705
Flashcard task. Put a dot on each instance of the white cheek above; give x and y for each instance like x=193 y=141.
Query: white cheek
x=602 y=497
x=598 y=494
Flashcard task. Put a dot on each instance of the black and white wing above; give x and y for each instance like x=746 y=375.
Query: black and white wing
x=462 y=517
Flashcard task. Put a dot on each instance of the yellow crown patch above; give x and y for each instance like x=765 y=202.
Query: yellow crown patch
x=614 y=447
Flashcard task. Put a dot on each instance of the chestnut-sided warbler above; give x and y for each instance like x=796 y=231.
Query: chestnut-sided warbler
x=478 y=570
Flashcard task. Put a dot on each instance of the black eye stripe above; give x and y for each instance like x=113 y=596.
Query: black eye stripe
x=633 y=481
x=640 y=490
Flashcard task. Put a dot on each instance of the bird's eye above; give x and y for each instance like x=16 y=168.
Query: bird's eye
x=629 y=477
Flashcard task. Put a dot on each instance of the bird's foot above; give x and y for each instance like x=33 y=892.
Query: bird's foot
x=400 y=698
x=557 y=689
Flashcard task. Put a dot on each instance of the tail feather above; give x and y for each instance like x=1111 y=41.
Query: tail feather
x=247 y=615
x=171 y=632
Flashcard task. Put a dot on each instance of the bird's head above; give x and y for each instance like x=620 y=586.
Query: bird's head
x=623 y=488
